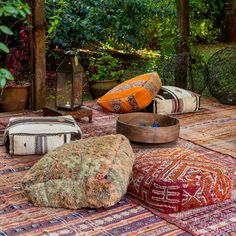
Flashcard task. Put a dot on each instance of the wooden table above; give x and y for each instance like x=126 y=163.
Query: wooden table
x=78 y=113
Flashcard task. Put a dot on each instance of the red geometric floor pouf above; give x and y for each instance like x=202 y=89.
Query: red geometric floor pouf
x=178 y=179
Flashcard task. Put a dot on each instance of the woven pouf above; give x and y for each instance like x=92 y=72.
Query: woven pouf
x=91 y=172
x=178 y=179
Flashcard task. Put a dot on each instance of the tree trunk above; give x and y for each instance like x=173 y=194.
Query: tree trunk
x=31 y=56
x=39 y=23
x=182 y=48
x=230 y=21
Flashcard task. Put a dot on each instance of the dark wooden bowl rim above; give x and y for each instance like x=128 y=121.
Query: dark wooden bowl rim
x=168 y=118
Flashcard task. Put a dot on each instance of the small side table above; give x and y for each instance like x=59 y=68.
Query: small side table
x=78 y=113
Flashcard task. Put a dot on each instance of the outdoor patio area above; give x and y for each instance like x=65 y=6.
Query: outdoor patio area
x=211 y=131
x=117 y=118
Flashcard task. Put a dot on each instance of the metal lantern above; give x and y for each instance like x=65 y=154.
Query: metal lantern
x=69 y=83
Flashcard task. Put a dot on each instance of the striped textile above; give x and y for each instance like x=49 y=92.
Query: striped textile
x=213 y=127
x=171 y=99
x=38 y=135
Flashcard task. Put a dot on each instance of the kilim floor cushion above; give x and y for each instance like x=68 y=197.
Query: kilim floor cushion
x=38 y=135
x=171 y=99
x=177 y=179
x=131 y=95
x=90 y=172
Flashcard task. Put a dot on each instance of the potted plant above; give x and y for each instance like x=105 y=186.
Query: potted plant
x=13 y=85
x=5 y=76
x=13 y=96
x=104 y=73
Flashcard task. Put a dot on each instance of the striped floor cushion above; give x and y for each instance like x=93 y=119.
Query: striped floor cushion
x=178 y=179
x=38 y=135
x=171 y=99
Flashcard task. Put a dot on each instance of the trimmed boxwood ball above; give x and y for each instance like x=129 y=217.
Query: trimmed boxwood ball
x=92 y=172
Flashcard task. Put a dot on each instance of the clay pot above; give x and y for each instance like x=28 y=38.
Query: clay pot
x=100 y=87
x=14 y=98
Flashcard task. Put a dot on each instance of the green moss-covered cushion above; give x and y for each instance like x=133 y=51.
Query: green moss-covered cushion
x=91 y=172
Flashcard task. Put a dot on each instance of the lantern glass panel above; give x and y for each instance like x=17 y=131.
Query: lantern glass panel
x=69 y=92
x=64 y=90
x=78 y=89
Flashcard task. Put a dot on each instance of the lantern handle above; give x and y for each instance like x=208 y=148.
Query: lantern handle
x=71 y=52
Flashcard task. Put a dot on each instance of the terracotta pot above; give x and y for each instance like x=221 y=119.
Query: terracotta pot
x=14 y=98
x=99 y=88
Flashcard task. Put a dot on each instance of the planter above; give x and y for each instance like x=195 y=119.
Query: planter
x=99 y=88
x=14 y=98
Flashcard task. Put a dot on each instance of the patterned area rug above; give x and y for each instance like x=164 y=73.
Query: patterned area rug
x=19 y=217
x=213 y=127
x=128 y=217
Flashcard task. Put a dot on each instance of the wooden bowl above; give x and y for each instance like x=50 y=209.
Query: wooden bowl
x=132 y=126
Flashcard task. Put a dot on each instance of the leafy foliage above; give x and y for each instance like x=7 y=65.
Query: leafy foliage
x=18 y=57
x=4 y=76
x=130 y=23
x=117 y=22
x=104 y=67
x=15 y=9
x=207 y=20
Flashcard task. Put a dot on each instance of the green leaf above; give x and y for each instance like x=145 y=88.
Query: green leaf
x=10 y=9
x=4 y=48
x=2 y=82
x=22 y=13
x=6 y=74
x=10 y=77
x=6 y=30
x=27 y=10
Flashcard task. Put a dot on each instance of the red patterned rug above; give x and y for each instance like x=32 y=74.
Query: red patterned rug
x=129 y=216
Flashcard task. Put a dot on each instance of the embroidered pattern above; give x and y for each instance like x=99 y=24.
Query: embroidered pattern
x=132 y=95
x=179 y=179
x=116 y=106
x=133 y=103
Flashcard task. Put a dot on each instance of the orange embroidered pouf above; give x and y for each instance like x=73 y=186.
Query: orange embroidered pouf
x=178 y=179
x=132 y=95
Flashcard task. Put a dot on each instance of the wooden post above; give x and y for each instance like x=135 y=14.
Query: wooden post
x=39 y=23
x=230 y=21
x=182 y=48
x=31 y=55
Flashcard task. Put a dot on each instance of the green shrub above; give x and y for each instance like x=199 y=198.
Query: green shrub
x=104 y=67
x=9 y=10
